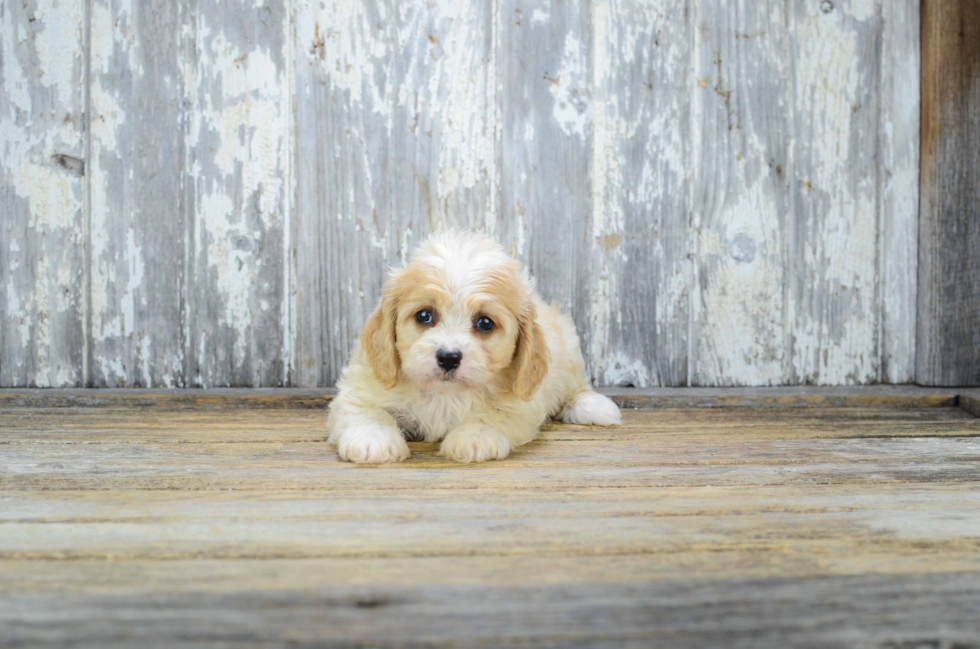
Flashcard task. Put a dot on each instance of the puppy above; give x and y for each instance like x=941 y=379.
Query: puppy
x=461 y=350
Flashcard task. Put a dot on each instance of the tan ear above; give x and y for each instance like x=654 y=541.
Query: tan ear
x=378 y=341
x=531 y=357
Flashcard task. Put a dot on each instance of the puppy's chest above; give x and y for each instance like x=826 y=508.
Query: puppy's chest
x=429 y=416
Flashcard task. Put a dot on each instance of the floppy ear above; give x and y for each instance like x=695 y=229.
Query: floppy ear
x=378 y=340
x=531 y=357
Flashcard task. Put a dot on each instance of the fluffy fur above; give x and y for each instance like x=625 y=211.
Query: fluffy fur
x=510 y=379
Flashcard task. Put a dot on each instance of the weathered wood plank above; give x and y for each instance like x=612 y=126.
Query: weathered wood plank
x=108 y=424
x=546 y=464
x=860 y=610
x=741 y=196
x=82 y=578
x=138 y=215
x=443 y=121
x=898 y=191
x=639 y=305
x=343 y=173
x=832 y=288
x=884 y=521
x=544 y=57
x=948 y=340
x=43 y=300
x=238 y=178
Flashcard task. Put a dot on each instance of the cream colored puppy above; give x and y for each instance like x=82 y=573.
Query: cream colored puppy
x=461 y=350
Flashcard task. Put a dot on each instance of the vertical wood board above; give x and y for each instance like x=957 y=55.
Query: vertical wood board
x=833 y=243
x=238 y=180
x=344 y=100
x=639 y=240
x=948 y=339
x=138 y=216
x=42 y=193
x=898 y=193
x=741 y=127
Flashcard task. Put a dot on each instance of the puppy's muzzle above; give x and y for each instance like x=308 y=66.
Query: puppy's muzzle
x=449 y=360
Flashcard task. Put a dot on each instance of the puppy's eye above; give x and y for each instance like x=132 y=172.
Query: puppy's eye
x=483 y=323
x=424 y=317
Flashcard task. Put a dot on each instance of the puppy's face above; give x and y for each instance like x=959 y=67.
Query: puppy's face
x=459 y=316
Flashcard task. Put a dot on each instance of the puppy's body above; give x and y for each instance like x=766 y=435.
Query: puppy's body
x=405 y=377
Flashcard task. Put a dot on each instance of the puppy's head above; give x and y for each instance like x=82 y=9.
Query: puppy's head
x=461 y=315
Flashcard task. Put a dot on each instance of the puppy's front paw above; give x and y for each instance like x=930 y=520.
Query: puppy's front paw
x=372 y=445
x=476 y=444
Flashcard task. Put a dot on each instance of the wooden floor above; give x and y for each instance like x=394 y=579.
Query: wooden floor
x=788 y=518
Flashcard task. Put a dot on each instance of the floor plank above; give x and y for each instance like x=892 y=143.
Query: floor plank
x=793 y=521
x=100 y=425
x=867 y=610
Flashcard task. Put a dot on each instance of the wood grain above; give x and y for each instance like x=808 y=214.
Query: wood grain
x=898 y=188
x=640 y=237
x=835 y=49
x=948 y=340
x=869 y=610
x=137 y=209
x=108 y=423
x=544 y=57
x=690 y=527
x=740 y=447
x=43 y=220
x=238 y=186
x=832 y=525
x=741 y=205
x=344 y=58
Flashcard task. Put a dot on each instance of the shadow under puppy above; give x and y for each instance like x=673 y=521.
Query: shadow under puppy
x=461 y=350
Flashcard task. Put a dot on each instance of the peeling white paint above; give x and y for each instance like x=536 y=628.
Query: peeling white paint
x=841 y=228
x=347 y=42
x=618 y=369
x=570 y=88
x=238 y=142
x=55 y=25
x=40 y=119
x=741 y=199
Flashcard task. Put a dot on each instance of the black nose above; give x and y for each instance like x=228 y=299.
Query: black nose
x=449 y=360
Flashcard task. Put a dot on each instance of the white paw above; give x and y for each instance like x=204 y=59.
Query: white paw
x=372 y=445
x=475 y=445
x=592 y=409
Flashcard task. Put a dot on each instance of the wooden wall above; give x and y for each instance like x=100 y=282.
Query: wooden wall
x=206 y=193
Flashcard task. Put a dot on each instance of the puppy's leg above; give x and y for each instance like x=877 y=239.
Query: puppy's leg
x=474 y=442
x=365 y=435
x=492 y=434
x=592 y=409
